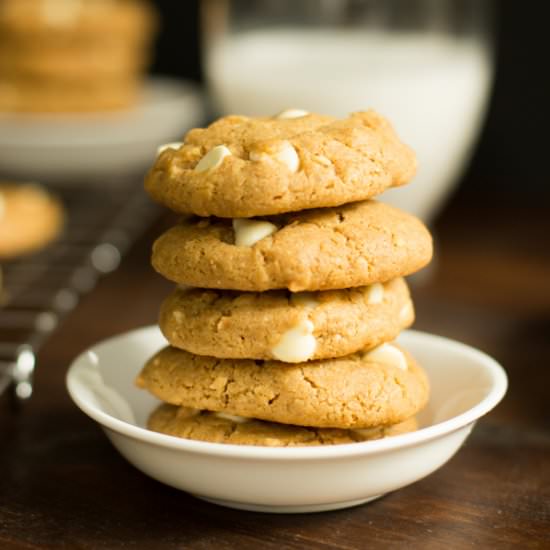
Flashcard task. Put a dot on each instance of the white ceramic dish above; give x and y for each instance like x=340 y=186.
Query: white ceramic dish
x=466 y=384
x=64 y=148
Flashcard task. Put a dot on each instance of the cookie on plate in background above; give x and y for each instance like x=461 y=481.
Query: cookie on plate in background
x=73 y=56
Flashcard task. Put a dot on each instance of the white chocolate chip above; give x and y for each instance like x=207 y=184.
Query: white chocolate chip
x=375 y=294
x=321 y=159
x=304 y=299
x=292 y=113
x=406 y=311
x=249 y=232
x=297 y=344
x=386 y=354
x=213 y=158
x=175 y=145
x=289 y=157
x=232 y=417
x=60 y=13
x=283 y=153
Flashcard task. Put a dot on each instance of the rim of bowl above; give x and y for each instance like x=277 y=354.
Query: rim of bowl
x=493 y=397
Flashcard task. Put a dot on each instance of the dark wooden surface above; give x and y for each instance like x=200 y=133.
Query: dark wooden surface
x=63 y=485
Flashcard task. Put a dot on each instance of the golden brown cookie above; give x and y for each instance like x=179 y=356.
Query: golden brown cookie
x=69 y=21
x=267 y=325
x=206 y=426
x=244 y=167
x=73 y=55
x=332 y=248
x=363 y=390
x=29 y=219
x=67 y=96
x=103 y=59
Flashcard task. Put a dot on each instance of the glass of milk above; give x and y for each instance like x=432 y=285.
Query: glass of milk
x=425 y=64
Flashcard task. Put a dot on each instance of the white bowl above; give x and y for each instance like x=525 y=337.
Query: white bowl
x=466 y=384
x=62 y=148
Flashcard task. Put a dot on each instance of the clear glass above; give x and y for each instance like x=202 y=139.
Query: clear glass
x=425 y=64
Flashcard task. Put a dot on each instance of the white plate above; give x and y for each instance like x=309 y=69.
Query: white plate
x=466 y=384
x=93 y=146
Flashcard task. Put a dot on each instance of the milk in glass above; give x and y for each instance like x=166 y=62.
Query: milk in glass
x=433 y=87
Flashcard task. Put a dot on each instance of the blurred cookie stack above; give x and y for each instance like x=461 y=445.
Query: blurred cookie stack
x=73 y=55
x=290 y=289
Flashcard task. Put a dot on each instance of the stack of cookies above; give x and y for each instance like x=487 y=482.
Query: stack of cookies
x=290 y=283
x=72 y=55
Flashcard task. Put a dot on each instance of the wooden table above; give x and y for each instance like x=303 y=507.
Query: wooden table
x=63 y=485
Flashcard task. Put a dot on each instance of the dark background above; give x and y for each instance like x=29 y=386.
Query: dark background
x=514 y=145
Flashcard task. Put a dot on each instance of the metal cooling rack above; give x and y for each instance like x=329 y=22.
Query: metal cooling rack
x=39 y=290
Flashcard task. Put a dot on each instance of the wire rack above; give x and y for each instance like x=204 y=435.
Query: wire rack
x=39 y=290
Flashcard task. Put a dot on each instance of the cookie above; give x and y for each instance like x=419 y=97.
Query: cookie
x=29 y=219
x=363 y=390
x=285 y=326
x=72 y=96
x=353 y=245
x=219 y=428
x=110 y=60
x=241 y=167
x=67 y=21
x=73 y=56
